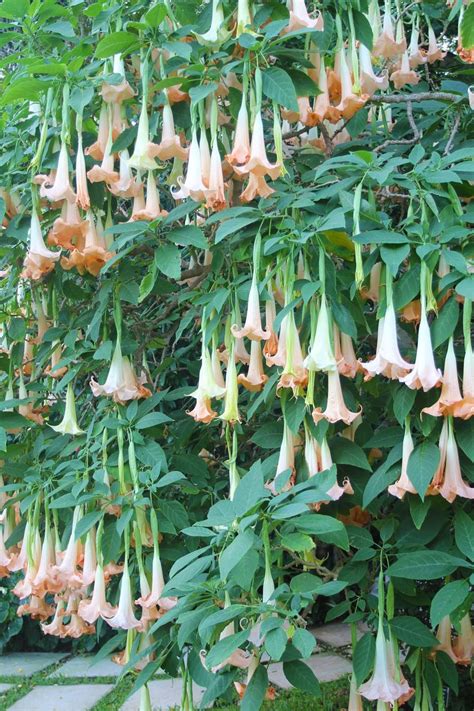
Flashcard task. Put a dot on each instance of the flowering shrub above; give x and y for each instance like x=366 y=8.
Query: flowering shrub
x=198 y=477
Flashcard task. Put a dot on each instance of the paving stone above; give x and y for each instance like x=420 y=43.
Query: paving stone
x=164 y=693
x=80 y=697
x=336 y=634
x=4 y=688
x=84 y=667
x=326 y=667
x=27 y=664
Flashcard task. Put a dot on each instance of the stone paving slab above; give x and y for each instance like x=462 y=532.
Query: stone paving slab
x=337 y=634
x=84 y=667
x=80 y=697
x=165 y=694
x=326 y=667
x=27 y=663
x=4 y=688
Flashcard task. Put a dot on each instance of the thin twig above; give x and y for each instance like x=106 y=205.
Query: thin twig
x=452 y=135
x=403 y=141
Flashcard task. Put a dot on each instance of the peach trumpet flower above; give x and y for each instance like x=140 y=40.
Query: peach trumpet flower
x=403 y=485
x=126 y=186
x=434 y=53
x=121 y=383
x=124 y=617
x=382 y=685
x=448 y=479
x=336 y=409
x=239 y=658
x=116 y=93
x=271 y=345
x=450 y=401
x=241 y=149
x=347 y=363
x=258 y=163
x=416 y=55
x=154 y=598
x=300 y=18
x=97 y=606
x=82 y=191
x=318 y=459
x=45 y=580
x=193 y=185
x=39 y=260
x=216 y=199
x=105 y=172
x=386 y=45
x=350 y=102
x=68 y=230
x=373 y=292
x=387 y=361
x=151 y=209
x=68 y=424
x=403 y=76
x=255 y=378
x=61 y=187
x=286 y=461
x=97 y=149
x=93 y=256
x=253 y=324
x=424 y=374
x=443 y=635
x=56 y=627
x=369 y=81
x=321 y=353
x=6 y=558
x=323 y=109
x=463 y=646
x=170 y=144
x=355 y=699
x=207 y=389
x=256 y=187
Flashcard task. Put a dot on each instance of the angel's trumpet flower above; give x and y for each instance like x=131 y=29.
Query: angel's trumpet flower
x=465 y=409
x=39 y=260
x=68 y=230
x=382 y=685
x=217 y=33
x=373 y=292
x=6 y=558
x=300 y=18
x=443 y=635
x=253 y=324
x=56 y=627
x=403 y=484
x=67 y=568
x=386 y=45
x=193 y=185
x=97 y=149
x=94 y=254
x=27 y=410
x=271 y=345
x=279 y=357
x=323 y=108
x=116 y=93
x=286 y=461
x=24 y=587
x=387 y=361
x=258 y=163
x=450 y=400
x=256 y=186
x=207 y=389
x=45 y=580
x=355 y=699
x=61 y=187
x=239 y=658
x=369 y=81
x=244 y=18
x=151 y=210
x=127 y=185
x=97 y=606
x=336 y=409
x=154 y=598
x=241 y=149
x=36 y=608
x=142 y=158
x=463 y=646
x=216 y=369
x=434 y=53
x=294 y=374
x=318 y=459
x=216 y=199
x=403 y=76
x=68 y=424
x=77 y=627
x=121 y=383
x=105 y=172
x=321 y=354
x=205 y=156
x=82 y=191
x=415 y=54
x=170 y=144
x=347 y=363
x=350 y=102
x=124 y=618
x=448 y=479
x=231 y=400
x=255 y=378
x=424 y=374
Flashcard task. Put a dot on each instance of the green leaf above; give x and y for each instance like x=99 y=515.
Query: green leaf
x=297 y=542
x=294 y=410
x=155 y=15
x=363 y=30
x=327 y=528
x=168 y=260
x=275 y=643
x=333 y=587
x=80 y=97
x=23 y=90
x=256 y=690
x=116 y=43
x=234 y=553
x=403 y=402
x=303 y=84
x=467 y=28
x=301 y=677
x=380 y=237
x=277 y=85
x=422 y=465
x=225 y=647
x=3 y=440
x=250 y=490
x=188 y=235
x=344 y=451
x=269 y=435
x=12 y=9
x=412 y=631
x=198 y=93
x=151 y=420
x=466 y=287
x=232 y=226
x=447 y=599
x=464 y=533
x=86 y=523
x=304 y=642
x=444 y=325
x=465 y=437
x=425 y=565
x=363 y=659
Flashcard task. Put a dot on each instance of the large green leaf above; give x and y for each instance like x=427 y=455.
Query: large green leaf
x=422 y=465
x=117 y=43
x=363 y=658
x=255 y=691
x=277 y=85
x=411 y=630
x=447 y=599
x=425 y=565
x=464 y=533
x=302 y=677
x=467 y=28
x=234 y=553
x=327 y=528
x=225 y=647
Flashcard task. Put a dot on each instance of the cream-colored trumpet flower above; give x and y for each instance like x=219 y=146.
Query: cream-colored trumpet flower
x=388 y=360
x=170 y=144
x=336 y=409
x=294 y=374
x=68 y=424
x=253 y=325
x=124 y=616
x=151 y=209
x=193 y=185
x=244 y=18
x=373 y=292
x=403 y=485
x=60 y=189
x=424 y=374
x=141 y=158
x=286 y=461
x=321 y=353
x=434 y=53
x=82 y=191
x=318 y=459
x=217 y=33
x=207 y=389
x=448 y=479
x=258 y=163
x=127 y=185
x=450 y=400
x=116 y=93
x=121 y=383
x=382 y=685
x=347 y=363
x=39 y=260
x=350 y=102
x=369 y=81
x=443 y=634
x=403 y=76
x=355 y=699
x=231 y=401
x=301 y=19
x=155 y=597
x=97 y=606
x=463 y=646
x=205 y=156
x=416 y=55
x=255 y=378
